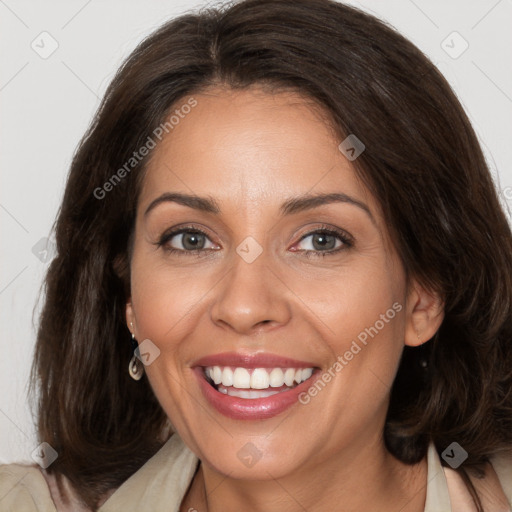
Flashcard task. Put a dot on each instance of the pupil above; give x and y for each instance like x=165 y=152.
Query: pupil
x=323 y=241
x=190 y=241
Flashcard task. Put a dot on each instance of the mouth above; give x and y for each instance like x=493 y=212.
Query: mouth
x=253 y=387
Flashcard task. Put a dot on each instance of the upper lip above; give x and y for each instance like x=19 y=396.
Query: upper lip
x=248 y=360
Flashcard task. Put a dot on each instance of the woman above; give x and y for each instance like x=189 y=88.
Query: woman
x=283 y=282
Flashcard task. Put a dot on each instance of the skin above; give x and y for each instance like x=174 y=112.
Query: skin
x=251 y=150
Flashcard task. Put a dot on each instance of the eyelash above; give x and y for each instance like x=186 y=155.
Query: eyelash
x=345 y=238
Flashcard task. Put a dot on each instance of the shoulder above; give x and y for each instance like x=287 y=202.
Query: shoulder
x=493 y=485
x=502 y=466
x=24 y=488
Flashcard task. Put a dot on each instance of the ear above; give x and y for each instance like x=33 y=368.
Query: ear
x=130 y=317
x=424 y=314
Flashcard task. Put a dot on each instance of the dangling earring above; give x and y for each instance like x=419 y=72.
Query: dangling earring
x=135 y=368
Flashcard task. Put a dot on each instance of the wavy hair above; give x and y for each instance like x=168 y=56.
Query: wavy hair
x=422 y=162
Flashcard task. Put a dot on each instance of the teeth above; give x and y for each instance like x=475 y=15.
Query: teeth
x=248 y=393
x=276 y=378
x=217 y=375
x=289 y=376
x=306 y=373
x=241 y=378
x=257 y=378
x=260 y=379
x=227 y=377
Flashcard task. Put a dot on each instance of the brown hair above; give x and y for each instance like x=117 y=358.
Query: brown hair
x=422 y=162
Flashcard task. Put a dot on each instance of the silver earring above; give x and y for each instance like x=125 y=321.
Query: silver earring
x=135 y=368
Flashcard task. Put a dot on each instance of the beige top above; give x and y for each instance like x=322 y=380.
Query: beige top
x=162 y=483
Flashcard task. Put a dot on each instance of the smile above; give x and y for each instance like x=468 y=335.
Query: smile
x=252 y=386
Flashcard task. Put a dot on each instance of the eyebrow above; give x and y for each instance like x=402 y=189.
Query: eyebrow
x=289 y=207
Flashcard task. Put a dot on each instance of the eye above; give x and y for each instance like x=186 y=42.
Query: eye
x=324 y=242
x=321 y=242
x=185 y=239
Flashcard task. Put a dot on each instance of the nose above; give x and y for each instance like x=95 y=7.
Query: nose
x=251 y=298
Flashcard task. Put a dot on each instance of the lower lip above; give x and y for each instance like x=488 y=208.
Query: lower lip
x=250 y=408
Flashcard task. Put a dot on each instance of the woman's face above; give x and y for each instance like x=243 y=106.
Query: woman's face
x=265 y=288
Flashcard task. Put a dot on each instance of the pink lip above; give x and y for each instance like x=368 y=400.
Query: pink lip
x=260 y=360
x=257 y=408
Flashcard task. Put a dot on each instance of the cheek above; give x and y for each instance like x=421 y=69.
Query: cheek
x=360 y=311
x=163 y=299
x=353 y=296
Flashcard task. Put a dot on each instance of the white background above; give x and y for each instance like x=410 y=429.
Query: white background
x=47 y=104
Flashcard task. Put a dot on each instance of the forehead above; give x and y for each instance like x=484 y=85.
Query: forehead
x=249 y=149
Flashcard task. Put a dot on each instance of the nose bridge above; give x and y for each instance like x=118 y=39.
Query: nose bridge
x=250 y=295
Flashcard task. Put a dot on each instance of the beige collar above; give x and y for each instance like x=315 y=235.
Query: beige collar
x=447 y=492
